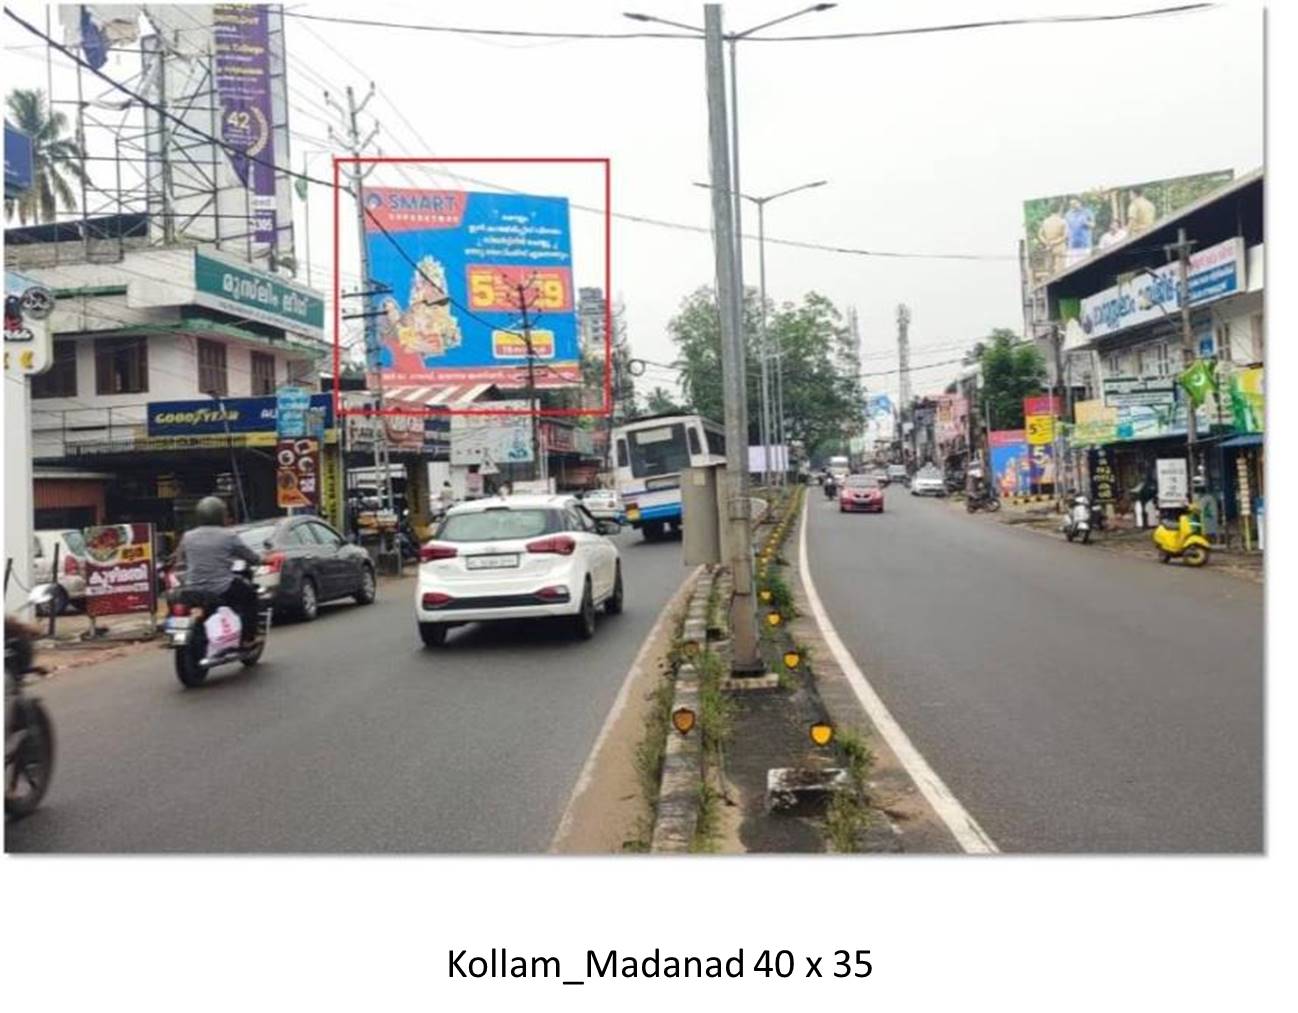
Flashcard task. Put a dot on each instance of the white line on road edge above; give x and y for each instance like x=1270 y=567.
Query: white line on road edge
x=619 y=704
x=964 y=828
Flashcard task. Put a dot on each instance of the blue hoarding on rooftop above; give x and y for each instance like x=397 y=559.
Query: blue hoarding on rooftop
x=19 y=161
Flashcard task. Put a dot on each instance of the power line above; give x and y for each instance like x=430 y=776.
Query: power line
x=826 y=37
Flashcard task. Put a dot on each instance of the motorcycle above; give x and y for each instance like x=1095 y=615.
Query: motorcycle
x=1184 y=541
x=187 y=632
x=1078 y=522
x=982 y=499
x=29 y=733
x=830 y=488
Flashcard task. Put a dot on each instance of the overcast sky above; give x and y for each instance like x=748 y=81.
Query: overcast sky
x=930 y=143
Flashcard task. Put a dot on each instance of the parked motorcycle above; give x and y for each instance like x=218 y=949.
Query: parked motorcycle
x=1185 y=540
x=982 y=499
x=187 y=632
x=1078 y=522
x=29 y=733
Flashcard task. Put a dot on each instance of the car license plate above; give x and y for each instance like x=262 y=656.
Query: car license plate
x=502 y=561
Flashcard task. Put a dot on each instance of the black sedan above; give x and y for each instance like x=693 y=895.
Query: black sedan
x=314 y=563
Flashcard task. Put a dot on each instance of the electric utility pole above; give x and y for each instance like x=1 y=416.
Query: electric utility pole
x=1182 y=249
x=355 y=145
x=747 y=657
x=526 y=327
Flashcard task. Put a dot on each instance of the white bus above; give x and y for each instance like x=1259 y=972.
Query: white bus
x=648 y=455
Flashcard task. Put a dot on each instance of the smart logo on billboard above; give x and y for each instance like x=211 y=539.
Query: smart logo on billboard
x=457 y=315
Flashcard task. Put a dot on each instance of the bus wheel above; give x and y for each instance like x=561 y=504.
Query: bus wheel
x=653 y=531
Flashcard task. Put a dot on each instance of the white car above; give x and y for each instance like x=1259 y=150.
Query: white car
x=72 y=566
x=605 y=505
x=521 y=557
x=928 y=481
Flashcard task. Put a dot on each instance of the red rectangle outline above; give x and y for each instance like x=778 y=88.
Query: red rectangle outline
x=603 y=411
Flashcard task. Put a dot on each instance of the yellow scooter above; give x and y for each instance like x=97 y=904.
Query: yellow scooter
x=1185 y=541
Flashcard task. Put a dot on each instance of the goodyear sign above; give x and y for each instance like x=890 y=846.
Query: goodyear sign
x=242 y=415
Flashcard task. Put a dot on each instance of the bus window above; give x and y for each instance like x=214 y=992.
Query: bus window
x=659 y=451
x=621 y=453
x=716 y=442
x=695 y=449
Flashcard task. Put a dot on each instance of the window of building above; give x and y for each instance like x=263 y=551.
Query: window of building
x=212 y=374
x=263 y=374
x=1113 y=364
x=121 y=366
x=61 y=378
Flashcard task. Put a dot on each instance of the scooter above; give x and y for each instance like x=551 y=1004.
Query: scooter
x=1078 y=522
x=830 y=487
x=187 y=634
x=982 y=499
x=29 y=733
x=1184 y=541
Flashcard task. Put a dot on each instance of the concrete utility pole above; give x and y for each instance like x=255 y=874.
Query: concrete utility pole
x=355 y=145
x=1182 y=249
x=747 y=657
x=538 y=472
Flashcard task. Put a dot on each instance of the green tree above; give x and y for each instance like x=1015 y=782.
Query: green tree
x=822 y=400
x=54 y=158
x=660 y=402
x=1012 y=370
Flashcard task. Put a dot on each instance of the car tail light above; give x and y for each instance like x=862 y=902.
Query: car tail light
x=436 y=600
x=555 y=593
x=562 y=545
x=71 y=567
x=177 y=609
x=432 y=552
x=274 y=562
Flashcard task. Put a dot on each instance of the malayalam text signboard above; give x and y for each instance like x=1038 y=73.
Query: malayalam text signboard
x=1104 y=477
x=477 y=250
x=120 y=574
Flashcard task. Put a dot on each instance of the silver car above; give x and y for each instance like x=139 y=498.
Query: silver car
x=928 y=481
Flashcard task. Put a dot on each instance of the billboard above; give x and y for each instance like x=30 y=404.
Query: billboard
x=489 y=440
x=236 y=415
x=1065 y=229
x=242 y=76
x=952 y=418
x=297 y=475
x=120 y=576
x=460 y=267
x=1011 y=465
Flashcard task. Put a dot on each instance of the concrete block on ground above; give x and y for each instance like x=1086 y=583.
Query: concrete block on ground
x=803 y=791
x=751 y=683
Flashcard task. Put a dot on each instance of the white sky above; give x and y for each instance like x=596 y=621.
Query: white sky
x=930 y=142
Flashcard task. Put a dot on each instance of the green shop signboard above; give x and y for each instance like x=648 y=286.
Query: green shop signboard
x=257 y=295
x=1247 y=401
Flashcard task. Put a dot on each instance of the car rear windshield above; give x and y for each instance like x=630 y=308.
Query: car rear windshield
x=498 y=524
x=256 y=538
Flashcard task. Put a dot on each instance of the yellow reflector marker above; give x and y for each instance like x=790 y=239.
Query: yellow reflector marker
x=773 y=619
x=792 y=659
x=683 y=720
x=822 y=733
x=764 y=594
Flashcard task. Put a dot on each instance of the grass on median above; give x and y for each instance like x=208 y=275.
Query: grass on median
x=850 y=814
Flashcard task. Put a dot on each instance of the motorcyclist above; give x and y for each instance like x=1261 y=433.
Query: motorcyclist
x=206 y=555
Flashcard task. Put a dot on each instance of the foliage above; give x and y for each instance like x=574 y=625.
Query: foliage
x=660 y=402
x=821 y=392
x=1011 y=371
x=54 y=157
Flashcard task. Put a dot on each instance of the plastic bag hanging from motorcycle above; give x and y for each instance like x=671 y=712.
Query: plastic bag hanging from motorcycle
x=223 y=629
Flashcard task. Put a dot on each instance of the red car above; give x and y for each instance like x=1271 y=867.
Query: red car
x=860 y=492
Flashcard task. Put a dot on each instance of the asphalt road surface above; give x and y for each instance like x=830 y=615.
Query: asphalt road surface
x=1074 y=700
x=349 y=737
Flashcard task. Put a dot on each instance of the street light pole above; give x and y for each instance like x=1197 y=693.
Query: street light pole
x=747 y=655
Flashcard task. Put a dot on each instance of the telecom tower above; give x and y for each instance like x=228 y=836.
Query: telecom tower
x=903 y=353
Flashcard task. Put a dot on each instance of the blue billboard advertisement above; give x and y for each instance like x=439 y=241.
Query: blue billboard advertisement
x=1011 y=462
x=241 y=414
x=459 y=268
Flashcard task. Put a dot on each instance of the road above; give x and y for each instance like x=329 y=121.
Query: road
x=349 y=737
x=1074 y=700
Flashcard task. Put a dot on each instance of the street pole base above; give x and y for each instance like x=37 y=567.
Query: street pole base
x=389 y=564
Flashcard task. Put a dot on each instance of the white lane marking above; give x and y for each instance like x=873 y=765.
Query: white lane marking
x=964 y=828
x=619 y=705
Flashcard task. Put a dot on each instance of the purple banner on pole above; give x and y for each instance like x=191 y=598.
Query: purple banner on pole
x=242 y=44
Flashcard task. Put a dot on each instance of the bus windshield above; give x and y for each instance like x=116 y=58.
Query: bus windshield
x=658 y=451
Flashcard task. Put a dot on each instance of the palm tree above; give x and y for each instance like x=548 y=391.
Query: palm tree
x=53 y=156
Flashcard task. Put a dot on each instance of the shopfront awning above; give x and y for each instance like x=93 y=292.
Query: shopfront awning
x=444 y=396
x=1243 y=440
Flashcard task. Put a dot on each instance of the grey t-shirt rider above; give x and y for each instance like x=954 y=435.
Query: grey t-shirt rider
x=206 y=554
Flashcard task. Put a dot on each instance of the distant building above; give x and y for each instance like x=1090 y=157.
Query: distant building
x=592 y=320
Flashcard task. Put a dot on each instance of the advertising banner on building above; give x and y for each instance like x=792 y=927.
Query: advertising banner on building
x=489 y=254
x=241 y=72
x=1011 y=468
x=1247 y=400
x=1214 y=274
x=952 y=418
x=205 y=417
x=1096 y=424
x=19 y=162
x=291 y=404
x=1173 y=482
x=29 y=347
x=1040 y=429
x=120 y=569
x=1041 y=466
x=244 y=291
x=1065 y=229
x=492 y=439
x=297 y=473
